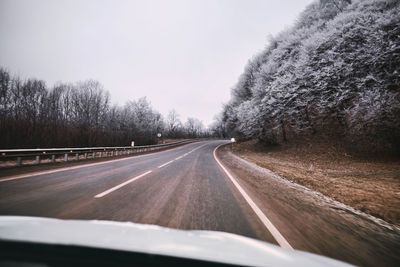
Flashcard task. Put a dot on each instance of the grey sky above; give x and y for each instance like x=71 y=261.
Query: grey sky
x=180 y=54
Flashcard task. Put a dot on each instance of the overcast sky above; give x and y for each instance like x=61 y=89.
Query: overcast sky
x=183 y=54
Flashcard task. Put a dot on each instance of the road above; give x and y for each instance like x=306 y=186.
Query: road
x=180 y=188
x=186 y=188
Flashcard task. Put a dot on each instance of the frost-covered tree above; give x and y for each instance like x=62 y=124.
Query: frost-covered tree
x=79 y=114
x=335 y=72
x=173 y=124
x=194 y=128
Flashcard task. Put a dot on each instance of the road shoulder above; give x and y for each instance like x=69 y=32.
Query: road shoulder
x=310 y=221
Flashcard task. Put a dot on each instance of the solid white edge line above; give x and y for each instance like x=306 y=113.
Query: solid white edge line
x=267 y=223
x=165 y=164
x=21 y=176
x=121 y=185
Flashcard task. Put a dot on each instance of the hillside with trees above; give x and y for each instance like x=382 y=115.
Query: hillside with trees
x=334 y=73
x=79 y=115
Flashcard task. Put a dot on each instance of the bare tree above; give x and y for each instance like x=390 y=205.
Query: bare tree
x=173 y=123
x=194 y=127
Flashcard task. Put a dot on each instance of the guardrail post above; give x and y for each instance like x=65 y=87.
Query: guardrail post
x=85 y=155
x=77 y=156
x=19 y=161
x=37 y=160
x=66 y=157
x=53 y=158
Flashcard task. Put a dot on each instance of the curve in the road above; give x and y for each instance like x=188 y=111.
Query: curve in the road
x=180 y=188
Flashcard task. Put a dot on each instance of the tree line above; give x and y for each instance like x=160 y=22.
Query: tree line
x=334 y=73
x=79 y=115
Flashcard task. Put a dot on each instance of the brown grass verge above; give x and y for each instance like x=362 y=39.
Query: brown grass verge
x=371 y=185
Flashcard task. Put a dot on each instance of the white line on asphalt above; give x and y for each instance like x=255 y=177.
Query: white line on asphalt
x=165 y=164
x=121 y=185
x=272 y=229
x=178 y=158
x=21 y=176
x=196 y=148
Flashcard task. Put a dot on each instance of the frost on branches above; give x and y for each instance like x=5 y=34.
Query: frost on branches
x=335 y=72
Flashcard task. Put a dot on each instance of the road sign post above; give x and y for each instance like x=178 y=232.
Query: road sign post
x=159 y=136
x=232 y=142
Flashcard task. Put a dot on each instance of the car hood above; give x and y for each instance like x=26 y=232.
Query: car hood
x=126 y=236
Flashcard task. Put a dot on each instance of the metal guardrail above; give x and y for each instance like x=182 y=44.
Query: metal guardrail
x=68 y=154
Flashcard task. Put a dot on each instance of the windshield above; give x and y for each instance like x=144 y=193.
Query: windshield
x=271 y=126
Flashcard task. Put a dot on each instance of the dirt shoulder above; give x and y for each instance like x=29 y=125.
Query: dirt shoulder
x=371 y=185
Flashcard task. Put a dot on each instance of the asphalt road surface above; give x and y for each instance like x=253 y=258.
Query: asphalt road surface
x=186 y=188
x=180 y=188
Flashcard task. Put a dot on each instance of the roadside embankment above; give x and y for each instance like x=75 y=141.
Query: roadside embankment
x=371 y=185
x=311 y=221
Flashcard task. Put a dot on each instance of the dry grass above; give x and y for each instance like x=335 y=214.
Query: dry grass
x=371 y=185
